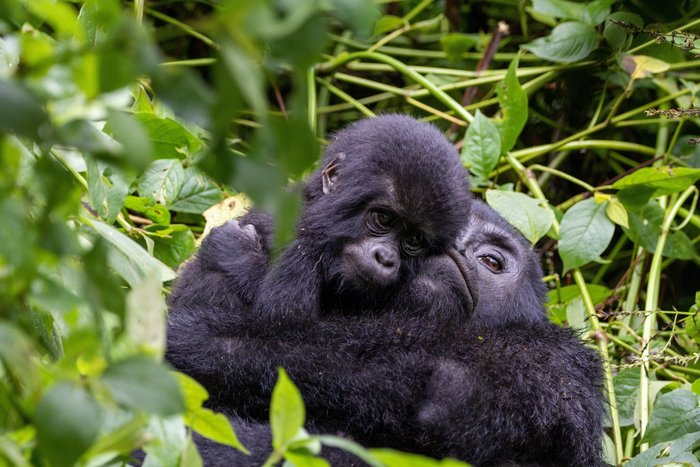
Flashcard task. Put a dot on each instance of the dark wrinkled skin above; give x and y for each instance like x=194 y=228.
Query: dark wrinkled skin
x=406 y=368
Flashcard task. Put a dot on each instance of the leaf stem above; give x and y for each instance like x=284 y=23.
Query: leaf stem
x=438 y=93
x=650 y=306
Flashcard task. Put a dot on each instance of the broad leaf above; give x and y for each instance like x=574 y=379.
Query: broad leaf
x=616 y=212
x=482 y=146
x=214 y=426
x=568 y=42
x=559 y=9
x=513 y=102
x=197 y=193
x=27 y=114
x=651 y=182
x=591 y=13
x=67 y=422
x=141 y=383
x=360 y=15
x=455 y=44
x=644 y=228
x=584 y=234
x=169 y=138
x=627 y=394
x=172 y=244
x=393 y=458
x=107 y=189
x=162 y=181
x=146 y=315
x=287 y=411
x=676 y=453
x=617 y=36
x=388 y=23
x=128 y=258
x=642 y=66
x=525 y=213
x=675 y=414
x=596 y=11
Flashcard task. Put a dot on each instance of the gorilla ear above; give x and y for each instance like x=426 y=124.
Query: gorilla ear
x=329 y=176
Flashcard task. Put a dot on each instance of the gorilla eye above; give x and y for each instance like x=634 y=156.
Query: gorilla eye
x=494 y=264
x=413 y=244
x=380 y=221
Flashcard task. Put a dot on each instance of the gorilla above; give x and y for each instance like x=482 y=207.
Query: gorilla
x=402 y=364
x=504 y=387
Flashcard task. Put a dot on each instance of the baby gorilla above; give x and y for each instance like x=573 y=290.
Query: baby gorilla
x=505 y=387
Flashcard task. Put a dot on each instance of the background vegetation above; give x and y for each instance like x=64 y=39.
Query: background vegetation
x=122 y=123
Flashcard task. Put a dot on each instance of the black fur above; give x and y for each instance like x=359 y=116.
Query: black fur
x=405 y=369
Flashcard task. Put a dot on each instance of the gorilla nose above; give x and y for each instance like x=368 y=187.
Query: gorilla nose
x=386 y=257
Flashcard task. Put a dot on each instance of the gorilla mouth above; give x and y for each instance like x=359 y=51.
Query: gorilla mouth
x=468 y=275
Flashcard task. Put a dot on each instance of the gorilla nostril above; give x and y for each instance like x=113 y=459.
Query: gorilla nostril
x=386 y=257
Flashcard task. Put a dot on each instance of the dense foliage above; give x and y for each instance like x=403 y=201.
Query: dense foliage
x=129 y=128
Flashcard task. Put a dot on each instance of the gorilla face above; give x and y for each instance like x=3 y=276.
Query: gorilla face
x=509 y=274
x=391 y=194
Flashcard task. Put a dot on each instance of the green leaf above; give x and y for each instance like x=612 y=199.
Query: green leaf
x=172 y=436
x=392 y=458
x=388 y=23
x=675 y=414
x=482 y=146
x=247 y=76
x=155 y=212
x=67 y=422
x=128 y=258
x=596 y=12
x=121 y=439
x=584 y=234
x=215 y=426
x=162 y=181
x=359 y=15
x=287 y=411
x=190 y=455
x=565 y=294
x=141 y=383
x=642 y=66
x=169 y=138
x=146 y=315
x=559 y=9
x=133 y=137
x=194 y=394
x=96 y=16
x=305 y=460
x=576 y=315
x=107 y=189
x=568 y=42
x=61 y=16
x=616 y=36
x=627 y=394
x=27 y=115
x=197 y=193
x=644 y=228
x=617 y=213
x=173 y=244
x=675 y=453
x=651 y=182
x=455 y=44
x=16 y=354
x=525 y=213
x=350 y=446
x=513 y=102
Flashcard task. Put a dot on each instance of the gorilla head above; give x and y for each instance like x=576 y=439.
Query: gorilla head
x=510 y=278
x=390 y=193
